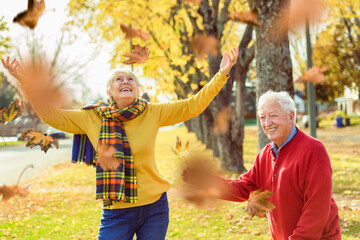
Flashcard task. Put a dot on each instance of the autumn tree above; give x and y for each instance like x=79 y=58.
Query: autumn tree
x=338 y=48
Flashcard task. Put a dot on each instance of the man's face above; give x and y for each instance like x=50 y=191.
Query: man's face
x=275 y=122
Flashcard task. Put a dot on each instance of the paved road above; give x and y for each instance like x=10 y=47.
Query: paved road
x=14 y=159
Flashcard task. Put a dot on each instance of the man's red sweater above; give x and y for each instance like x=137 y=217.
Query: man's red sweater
x=300 y=179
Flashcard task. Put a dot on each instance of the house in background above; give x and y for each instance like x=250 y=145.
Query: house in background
x=349 y=103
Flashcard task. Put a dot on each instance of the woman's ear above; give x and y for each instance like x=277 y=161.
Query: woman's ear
x=109 y=93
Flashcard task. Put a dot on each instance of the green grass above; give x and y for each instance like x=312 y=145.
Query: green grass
x=61 y=204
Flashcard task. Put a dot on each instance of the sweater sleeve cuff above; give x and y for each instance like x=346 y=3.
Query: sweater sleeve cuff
x=223 y=76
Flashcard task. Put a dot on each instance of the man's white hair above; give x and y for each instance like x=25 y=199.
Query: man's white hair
x=282 y=97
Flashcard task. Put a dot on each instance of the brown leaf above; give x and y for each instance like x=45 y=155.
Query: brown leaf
x=15 y=110
x=223 y=120
x=197 y=2
x=138 y=55
x=294 y=15
x=7 y=192
x=29 y=18
x=106 y=157
x=314 y=75
x=131 y=33
x=203 y=45
x=258 y=203
x=177 y=150
x=38 y=139
x=249 y=17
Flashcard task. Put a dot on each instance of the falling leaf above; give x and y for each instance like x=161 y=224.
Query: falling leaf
x=197 y=2
x=249 y=17
x=223 y=120
x=199 y=196
x=203 y=45
x=177 y=150
x=138 y=55
x=258 y=203
x=314 y=75
x=15 y=110
x=294 y=16
x=106 y=157
x=131 y=33
x=29 y=18
x=36 y=138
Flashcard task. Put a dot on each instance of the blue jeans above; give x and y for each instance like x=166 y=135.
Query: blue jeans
x=148 y=222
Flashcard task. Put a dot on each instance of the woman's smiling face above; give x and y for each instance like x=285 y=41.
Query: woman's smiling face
x=124 y=88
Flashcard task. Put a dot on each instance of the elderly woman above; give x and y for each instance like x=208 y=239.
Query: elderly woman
x=133 y=194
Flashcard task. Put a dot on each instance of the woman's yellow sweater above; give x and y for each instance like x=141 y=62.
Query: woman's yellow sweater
x=141 y=132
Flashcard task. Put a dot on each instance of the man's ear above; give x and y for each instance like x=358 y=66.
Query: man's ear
x=292 y=115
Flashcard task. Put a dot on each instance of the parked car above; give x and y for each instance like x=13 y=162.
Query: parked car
x=56 y=133
x=304 y=122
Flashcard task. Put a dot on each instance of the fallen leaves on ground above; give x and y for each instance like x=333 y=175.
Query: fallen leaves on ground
x=29 y=18
x=38 y=139
x=131 y=33
x=258 y=203
x=203 y=45
x=249 y=17
x=138 y=55
x=106 y=157
x=15 y=110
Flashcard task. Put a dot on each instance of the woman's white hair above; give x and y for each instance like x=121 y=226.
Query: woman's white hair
x=282 y=97
x=117 y=72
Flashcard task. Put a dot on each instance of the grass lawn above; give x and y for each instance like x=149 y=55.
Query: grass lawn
x=61 y=204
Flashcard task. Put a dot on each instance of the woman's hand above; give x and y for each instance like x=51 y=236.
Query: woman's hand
x=228 y=61
x=13 y=67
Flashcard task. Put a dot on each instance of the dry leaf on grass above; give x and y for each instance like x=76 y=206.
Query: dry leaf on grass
x=203 y=45
x=8 y=192
x=138 y=55
x=38 y=139
x=258 y=203
x=131 y=33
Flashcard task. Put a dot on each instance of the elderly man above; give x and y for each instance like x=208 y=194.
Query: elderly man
x=296 y=168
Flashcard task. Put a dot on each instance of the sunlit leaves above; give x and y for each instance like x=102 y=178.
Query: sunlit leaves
x=249 y=17
x=131 y=33
x=138 y=55
x=203 y=45
x=258 y=203
x=29 y=18
x=38 y=139
x=15 y=110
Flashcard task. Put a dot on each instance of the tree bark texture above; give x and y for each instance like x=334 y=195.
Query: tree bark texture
x=272 y=54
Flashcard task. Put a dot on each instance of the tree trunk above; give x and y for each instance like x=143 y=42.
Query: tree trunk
x=273 y=62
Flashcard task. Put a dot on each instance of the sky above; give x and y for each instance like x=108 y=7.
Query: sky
x=49 y=26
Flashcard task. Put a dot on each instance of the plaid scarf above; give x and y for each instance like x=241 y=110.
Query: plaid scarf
x=119 y=185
